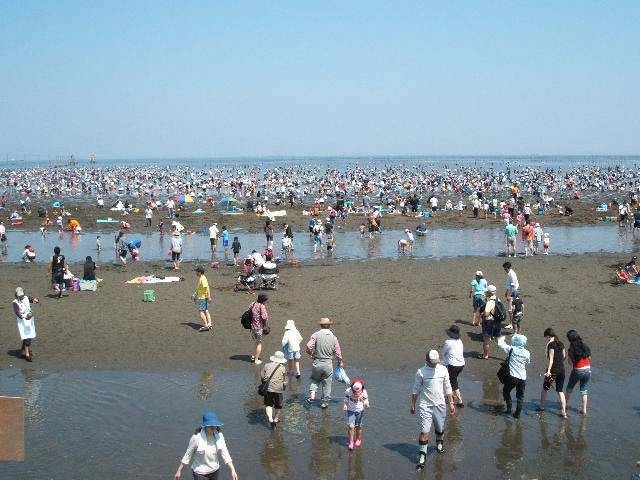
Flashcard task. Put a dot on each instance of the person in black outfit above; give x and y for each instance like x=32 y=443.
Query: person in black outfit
x=89 y=269
x=57 y=267
x=556 y=354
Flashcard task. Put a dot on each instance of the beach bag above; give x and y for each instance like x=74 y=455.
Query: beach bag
x=266 y=330
x=499 y=312
x=246 y=318
x=263 y=388
x=339 y=375
x=503 y=371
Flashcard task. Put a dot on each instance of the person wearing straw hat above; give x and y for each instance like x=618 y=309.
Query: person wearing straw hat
x=476 y=292
x=322 y=347
x=206 y=448
x=431 y=385
x=291 y=347
x=25 y=321
x=277 y=382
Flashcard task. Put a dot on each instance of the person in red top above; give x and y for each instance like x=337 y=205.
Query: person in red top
x=527 y=239
x=580 y=357
x=259 y=319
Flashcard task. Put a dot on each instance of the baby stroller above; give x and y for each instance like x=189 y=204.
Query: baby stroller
x=269 y=276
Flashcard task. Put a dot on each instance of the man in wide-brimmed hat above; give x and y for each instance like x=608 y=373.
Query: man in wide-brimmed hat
x=322 y=347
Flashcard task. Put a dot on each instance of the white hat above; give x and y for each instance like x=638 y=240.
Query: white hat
x=537 y=224
x=491 y=289
x=479 y=273
x=290 y=324
x=278 y=357
x=19 y=292
x=546 y=234
x=434 y=356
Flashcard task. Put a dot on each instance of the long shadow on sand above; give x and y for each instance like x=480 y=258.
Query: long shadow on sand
x=195 y=326
x=241 y=358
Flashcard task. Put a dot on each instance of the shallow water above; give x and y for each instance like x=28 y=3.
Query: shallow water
x=439 y=243
x=134 y=424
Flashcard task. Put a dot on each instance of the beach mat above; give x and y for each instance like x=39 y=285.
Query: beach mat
x=11 y=429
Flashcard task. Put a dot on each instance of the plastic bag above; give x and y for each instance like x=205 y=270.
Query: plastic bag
x=340 y=375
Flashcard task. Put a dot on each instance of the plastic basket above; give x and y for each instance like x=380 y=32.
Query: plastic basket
x=149 y=296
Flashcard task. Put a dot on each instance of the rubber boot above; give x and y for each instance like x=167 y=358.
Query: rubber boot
x=516 y=414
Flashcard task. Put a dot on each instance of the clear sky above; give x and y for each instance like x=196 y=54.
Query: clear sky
x=203 y=78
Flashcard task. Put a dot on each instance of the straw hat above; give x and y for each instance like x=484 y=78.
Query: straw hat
x=325 y=321
x=278 y=357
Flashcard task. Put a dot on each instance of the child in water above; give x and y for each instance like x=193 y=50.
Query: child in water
x=225 y=239
x=546 y=242
x=363 y=228
x=356 y=399
x=98 y=244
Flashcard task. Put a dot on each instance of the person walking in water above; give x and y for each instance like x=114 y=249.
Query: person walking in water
x=356 y=399
x=322 y=347
x=275 y=374
x=580 y=357
x=206 y=448
x=430 y=386
x=517 y=359
x=554 y=373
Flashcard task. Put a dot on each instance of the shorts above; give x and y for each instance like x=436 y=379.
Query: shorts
x=435 y=414
x=491 y=328
x=511 y=241
x=584 y=376
x=213 y=241
x=257 y=335
x=478 y=302
x=175 y=256
x=517 y=318
x=225 y=242
x=203 y=304
x=269 y=238
x=453 y=375
x=317 y=240
x=355 y=418
x=122 y=253
x=57 y=278
x=434 y=209
x=273 y=399
x=293 y=355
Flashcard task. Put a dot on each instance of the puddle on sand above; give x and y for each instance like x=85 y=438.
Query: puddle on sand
x=132 y=424
x=439 y=243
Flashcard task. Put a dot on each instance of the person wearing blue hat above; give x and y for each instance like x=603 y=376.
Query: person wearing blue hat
x=206 y=448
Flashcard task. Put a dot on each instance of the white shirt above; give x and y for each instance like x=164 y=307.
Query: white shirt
x=537 y=233
x=213 y=231
x=293 y=338
x=431 y=385
x=356 y=403
x=206 y=462
x=433 y=201
x=512 y=281
x=453 y=353
x=3 y=230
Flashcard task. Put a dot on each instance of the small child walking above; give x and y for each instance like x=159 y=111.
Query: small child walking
x=546 y=242
x=225 y=240
x=518 y=311
x=356 y=399
x=236 y=247
x=291 y=347
x=363 y=228
x=98 y=243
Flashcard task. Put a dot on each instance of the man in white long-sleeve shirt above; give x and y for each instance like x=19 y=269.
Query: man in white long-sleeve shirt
x=430 y=386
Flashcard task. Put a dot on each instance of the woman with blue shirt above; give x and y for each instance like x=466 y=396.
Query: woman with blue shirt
x=476 y=291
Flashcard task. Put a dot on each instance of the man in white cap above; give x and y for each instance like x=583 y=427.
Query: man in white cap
x=430 y=386
x=213 y=237
x=476 y=291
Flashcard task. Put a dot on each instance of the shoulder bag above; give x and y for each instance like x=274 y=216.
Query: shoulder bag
x=263 y=388
x=503 y=371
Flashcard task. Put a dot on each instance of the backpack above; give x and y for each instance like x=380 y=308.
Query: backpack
x=247 y=317
x=499 y=312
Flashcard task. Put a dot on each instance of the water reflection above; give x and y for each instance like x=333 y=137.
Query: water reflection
x=325 y=453
x=205 y=387
x=509 y=451
x=274 y=458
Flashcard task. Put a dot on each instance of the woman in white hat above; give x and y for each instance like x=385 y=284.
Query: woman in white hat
x=26 y=321
x=291 y=346
x=205 y=447
x=276 y=378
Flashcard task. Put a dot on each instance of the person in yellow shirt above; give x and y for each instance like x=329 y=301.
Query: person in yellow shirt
x=202 y=296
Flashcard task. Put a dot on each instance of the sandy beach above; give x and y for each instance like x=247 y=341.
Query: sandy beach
x=386 y=313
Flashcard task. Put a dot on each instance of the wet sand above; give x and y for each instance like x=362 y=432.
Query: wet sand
x=584 y=214
x=386 y=313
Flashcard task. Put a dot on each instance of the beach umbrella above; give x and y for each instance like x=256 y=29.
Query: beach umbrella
x=187 y=198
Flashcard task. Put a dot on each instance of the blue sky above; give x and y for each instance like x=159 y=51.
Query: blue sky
x=191 y=79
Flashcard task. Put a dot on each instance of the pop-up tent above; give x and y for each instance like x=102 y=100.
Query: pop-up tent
x=229 y=205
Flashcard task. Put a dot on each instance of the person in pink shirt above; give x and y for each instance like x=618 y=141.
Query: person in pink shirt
x=259 y=327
